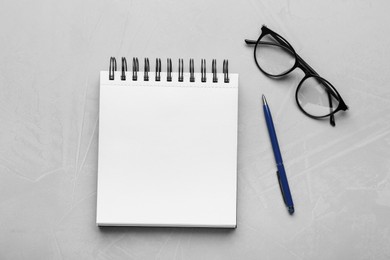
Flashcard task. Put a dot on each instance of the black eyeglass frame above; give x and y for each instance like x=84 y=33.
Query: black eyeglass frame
x=309 y=73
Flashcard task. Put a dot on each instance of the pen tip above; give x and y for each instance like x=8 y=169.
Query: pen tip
x=264 y=100
x=291 y=210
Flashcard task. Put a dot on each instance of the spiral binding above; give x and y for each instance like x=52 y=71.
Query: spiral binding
x=192 y=76
x=146 y=69
x=169 y=69
x=124 y=68
x=214 y=70
x=158 y=69
x=226 y=71
x=203 y=70
x=135 y=70
x=112 y=68
x=181 y=70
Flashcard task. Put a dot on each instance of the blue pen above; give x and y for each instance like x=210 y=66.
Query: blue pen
x=282 y=177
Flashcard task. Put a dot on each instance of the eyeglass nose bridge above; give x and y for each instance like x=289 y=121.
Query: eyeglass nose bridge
x=300 y=63
x=307 y=71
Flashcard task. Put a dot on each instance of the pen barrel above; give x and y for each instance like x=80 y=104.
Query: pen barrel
x=272 y=135
x=282 y=177
x=285 y=188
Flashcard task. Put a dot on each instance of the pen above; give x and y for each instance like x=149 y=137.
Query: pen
x=281 y=173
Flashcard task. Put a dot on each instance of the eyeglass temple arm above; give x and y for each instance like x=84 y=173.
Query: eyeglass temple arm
x=309 y=69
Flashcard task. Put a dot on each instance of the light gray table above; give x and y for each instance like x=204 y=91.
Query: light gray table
x=51 y=53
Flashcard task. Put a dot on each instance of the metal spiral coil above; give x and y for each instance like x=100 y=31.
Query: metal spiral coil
x=214 y=70
x=124 y=68
x=112 y=68
x=181 y=71
x=203 y=70
x=169 y=69
x=135 y=70
x=192 y=76
x=226 y=71
x=158 y=69
x=146 y=69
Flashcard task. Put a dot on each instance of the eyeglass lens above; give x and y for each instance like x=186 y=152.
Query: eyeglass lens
x=274 y=58
x=313 y=97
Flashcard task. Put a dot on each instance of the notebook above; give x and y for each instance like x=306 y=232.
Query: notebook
x=167 y=146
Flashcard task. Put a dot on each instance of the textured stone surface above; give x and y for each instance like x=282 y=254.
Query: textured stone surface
x=51 y=53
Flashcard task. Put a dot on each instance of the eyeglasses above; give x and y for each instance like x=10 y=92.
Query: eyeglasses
x=315 y=96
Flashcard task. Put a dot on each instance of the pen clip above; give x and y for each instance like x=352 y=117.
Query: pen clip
x=281 y=187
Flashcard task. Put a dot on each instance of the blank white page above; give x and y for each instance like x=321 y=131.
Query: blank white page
x=167 y=152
